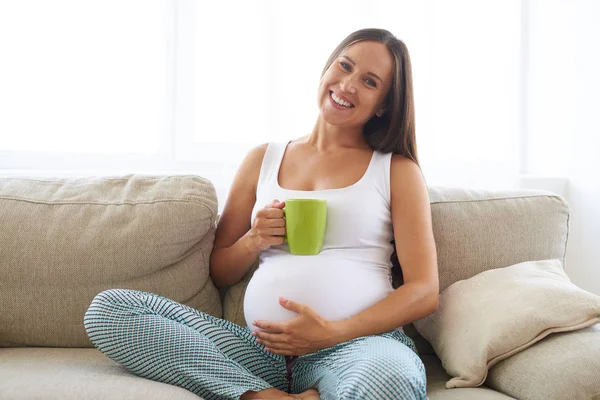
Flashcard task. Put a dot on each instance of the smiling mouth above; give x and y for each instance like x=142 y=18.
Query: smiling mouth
x=339 y=101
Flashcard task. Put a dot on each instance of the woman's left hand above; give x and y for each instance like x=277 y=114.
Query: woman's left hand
x=304 y=334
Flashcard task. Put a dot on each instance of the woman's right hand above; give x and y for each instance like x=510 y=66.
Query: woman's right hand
x=268 y=227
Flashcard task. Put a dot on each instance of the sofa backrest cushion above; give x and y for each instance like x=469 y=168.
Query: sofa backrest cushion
x=478 y=230
x=64 y=240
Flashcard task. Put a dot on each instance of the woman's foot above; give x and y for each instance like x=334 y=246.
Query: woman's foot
x=274 y=394
x=310 y=394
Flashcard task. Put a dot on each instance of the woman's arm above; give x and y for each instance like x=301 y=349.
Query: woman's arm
x=232 y=257
x=415 y=247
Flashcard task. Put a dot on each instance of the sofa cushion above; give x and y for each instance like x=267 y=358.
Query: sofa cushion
x=64 y=240
x=59 y=374
x=479 y=230
x=475 y=230
x=436 y=385
x=498 y=313
x=562 y=366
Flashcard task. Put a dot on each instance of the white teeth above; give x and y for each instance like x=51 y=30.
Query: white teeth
x=340 y=101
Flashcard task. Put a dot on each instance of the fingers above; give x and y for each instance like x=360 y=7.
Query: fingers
x=270 y=227
x=273 y=236
x=269 y=326
x=277 y=232
x=277 y=345
x=275 y=223
x=271 y=339
x=276 y=204
x=270 y=213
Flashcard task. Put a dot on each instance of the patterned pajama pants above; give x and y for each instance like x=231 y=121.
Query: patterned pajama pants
x=160 y=339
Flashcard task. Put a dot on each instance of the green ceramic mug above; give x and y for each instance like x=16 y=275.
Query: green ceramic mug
x=305 y=221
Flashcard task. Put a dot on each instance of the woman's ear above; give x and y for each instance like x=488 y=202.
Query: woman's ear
x=381 y=111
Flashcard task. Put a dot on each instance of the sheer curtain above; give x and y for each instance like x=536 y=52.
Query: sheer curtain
x=136 y=86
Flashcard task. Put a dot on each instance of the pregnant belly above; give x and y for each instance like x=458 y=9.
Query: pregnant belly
x=335 y=292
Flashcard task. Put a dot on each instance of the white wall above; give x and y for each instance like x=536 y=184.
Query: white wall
x=563 y=103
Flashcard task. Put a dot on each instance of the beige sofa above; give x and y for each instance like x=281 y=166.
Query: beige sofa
x=63 y=240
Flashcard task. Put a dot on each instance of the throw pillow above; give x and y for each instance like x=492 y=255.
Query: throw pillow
x=500 y=312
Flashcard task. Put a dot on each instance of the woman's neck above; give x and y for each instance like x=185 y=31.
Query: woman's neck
x=328 y=138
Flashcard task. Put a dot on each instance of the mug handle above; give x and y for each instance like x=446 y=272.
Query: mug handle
x=284 y=236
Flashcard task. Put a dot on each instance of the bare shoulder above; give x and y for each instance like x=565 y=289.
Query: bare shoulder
x=249 y=170
x=235 y=218
x=256 y=155
x=258 y=151
x=403 y=169
x=401 y=162
x=407 y=185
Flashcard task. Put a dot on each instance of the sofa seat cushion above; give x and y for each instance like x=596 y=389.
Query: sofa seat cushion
x=71 y=373
x=436 y=385
x=562 y=366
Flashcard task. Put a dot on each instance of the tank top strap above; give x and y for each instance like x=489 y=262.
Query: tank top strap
x=270 y=166
x=380 y=175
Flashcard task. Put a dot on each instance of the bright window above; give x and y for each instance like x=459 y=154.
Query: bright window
x=155 y=85
x=82 y=76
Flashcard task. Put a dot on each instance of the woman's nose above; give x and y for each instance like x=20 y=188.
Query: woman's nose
x=348 y=86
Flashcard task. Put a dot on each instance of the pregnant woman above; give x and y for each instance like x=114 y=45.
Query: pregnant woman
x=323 y=326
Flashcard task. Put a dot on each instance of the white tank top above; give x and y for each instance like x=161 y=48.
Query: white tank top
x=353 y=270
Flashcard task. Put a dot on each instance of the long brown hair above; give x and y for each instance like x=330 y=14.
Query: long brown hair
x=394 y=131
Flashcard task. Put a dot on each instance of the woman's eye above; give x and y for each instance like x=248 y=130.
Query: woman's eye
x=371 y=82
x=345 y=66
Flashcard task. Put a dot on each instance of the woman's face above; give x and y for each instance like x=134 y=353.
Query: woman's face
x=354 y=87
